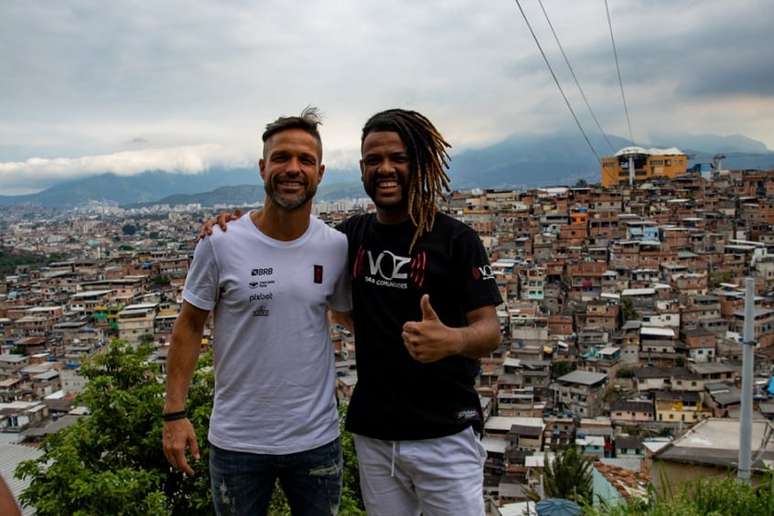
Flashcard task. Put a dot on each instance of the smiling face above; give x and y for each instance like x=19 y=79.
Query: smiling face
x=291 y=168
x=385 y=168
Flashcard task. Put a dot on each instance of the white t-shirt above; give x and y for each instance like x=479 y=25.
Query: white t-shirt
x=274 y=362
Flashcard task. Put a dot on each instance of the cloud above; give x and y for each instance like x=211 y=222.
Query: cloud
x=85 y=78
x=188 y=160
x=696 y=49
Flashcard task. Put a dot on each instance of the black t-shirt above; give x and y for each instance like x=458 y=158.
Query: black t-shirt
x=396 y=397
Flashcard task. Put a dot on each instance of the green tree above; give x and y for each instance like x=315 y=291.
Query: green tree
x=561 y=368
x=111 y=462
x=629 y=313
x=705 y=496
x=11 y=258
x=568 y=476
x=718 y=277
x=129 y=229
x=160 y=281
x=351 y=499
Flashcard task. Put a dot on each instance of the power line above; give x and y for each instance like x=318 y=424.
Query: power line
x=618 y=69
x=575 y=78
x=559 y=86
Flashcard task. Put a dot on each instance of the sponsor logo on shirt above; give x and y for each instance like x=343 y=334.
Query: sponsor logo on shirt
x=261 y=282
x=261 y=311
x=318 y=273
x=483 y=273
x=387 y=269
x=467 y=415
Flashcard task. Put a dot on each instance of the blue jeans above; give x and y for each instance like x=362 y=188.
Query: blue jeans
x=242 y=483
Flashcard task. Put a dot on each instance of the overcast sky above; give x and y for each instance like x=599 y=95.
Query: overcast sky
x=123 y=86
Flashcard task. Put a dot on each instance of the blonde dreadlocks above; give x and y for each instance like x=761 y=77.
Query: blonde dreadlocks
x=428 y=160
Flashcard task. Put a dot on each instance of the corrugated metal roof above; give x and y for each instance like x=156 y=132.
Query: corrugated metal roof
x=660 y=332
x=10 y=457
x=583 y=377
x=653 y=151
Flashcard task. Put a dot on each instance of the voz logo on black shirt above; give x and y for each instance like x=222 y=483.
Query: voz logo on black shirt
x=393 y=269
x=388 y=269
x=483 y=273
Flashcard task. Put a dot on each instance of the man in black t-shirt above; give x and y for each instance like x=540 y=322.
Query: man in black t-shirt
x=423 y=313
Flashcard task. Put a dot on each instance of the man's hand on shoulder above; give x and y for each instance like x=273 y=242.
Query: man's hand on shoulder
x=222 y=219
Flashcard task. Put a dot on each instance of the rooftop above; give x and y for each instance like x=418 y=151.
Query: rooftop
x=583 y=378
x=90 y=293
x=632 y=406
x=638 y=292
x=652 y=151
x=651 y=331
x=626 y=482
x=10 y=457
x=703 y=368
x=504 y=423
x=715 y=442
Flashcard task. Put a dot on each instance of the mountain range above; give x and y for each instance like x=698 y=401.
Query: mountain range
x=520 y=161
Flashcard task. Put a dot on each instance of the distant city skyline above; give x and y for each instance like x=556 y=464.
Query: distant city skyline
x=91 y=87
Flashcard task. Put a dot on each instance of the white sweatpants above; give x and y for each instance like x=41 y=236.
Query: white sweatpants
x=434 y=477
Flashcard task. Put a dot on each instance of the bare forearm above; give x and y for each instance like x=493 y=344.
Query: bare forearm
x=479 y=338
x=181 y=362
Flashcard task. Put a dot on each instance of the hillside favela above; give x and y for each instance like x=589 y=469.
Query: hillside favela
x=622 y=323
x=439 y=258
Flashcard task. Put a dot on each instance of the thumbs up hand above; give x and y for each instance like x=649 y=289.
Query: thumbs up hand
x=430 y=340
x=428 y=314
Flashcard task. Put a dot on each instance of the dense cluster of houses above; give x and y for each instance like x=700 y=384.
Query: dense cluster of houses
x=621 y=324
x=622 y=328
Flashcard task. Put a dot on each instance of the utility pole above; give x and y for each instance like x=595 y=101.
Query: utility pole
x=745 y=417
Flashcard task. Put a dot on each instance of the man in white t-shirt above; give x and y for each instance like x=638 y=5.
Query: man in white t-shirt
x=269 y=282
